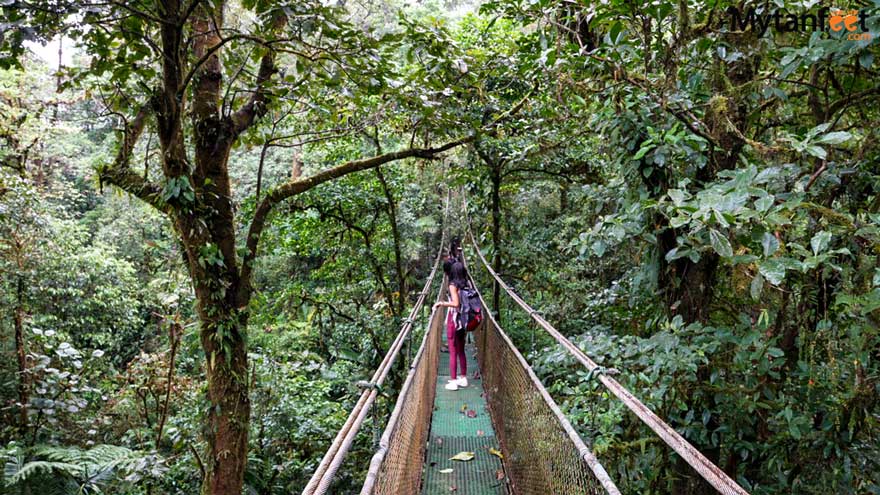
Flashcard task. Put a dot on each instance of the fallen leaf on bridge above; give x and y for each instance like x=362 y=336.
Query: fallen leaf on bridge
x=462 y=456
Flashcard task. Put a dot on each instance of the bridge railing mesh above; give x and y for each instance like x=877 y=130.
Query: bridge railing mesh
x=396 y=468
x=542 y=452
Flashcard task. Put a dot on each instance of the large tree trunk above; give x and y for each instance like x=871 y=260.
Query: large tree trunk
x=203 y=214
x=208 y=231
x=496 y=236
x=21 y=353
x=222 y=311
x=229 y=413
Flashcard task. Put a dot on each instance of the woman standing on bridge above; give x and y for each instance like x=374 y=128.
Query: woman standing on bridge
x=457 y=276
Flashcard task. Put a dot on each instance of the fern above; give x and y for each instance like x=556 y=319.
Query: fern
x=100 y=456
x=51 y=469
x=35 y=468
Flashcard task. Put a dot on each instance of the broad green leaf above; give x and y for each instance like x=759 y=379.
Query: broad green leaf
x=643 y=151
x=773 y=270
x=678 y=220
x=819 y=129
x=677 y=196
x=788 y=69
x=767 y=175
x=764 y=203
x=720 y=243
x=794 y=431
x=615 y=31
x=757 y=286
x=770 y=243
x=816 y=151
x=775 y=352
x=820 y=241
x=834 y=138
x=719 y=217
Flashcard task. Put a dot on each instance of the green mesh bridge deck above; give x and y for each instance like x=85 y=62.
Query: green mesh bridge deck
x=454 y=430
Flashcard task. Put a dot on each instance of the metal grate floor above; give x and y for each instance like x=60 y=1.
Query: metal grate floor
x=461 y=423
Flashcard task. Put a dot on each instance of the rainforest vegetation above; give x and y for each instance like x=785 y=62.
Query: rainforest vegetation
x=216 y=214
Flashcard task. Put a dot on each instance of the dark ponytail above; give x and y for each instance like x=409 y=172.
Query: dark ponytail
x=459 y=275
x=455 y=249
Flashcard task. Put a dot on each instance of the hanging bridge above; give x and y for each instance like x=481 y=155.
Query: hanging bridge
x=515 y=438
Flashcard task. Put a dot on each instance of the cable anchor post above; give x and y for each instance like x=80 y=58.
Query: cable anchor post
x=375 y=408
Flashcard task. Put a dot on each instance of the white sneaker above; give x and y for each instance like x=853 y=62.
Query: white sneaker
x=461 y=381
x=452 y=385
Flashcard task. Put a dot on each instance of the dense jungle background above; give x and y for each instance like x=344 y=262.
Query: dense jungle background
x=215 y=214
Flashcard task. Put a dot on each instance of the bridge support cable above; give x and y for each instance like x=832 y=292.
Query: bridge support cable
x=396 y=467
x=543 y=453
x=709 y=471
x=326 y=470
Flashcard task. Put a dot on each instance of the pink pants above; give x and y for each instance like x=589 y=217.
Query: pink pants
x=456 y=348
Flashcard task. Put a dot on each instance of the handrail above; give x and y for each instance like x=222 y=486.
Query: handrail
x=584 y=451
x=326 y=470
x=709 y=471
x=385 y=442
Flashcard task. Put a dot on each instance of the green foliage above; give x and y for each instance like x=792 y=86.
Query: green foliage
x=696 y=206
x=723 y=257
x=63 y=470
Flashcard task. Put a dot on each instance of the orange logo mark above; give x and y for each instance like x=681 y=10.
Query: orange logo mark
x=844 y=19
x=853 y=21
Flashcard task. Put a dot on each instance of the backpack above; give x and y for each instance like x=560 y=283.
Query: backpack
x=470 y=310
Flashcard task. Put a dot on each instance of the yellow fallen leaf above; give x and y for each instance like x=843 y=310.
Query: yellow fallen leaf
x=462 y=456
x=446 y=471
x=497 y=452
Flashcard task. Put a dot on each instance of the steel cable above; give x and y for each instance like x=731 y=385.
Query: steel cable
x=709 y=471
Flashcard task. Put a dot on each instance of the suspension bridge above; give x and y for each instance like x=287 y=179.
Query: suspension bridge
x=510 y=435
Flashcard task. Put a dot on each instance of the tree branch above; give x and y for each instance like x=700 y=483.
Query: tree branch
x=258 y=104
x=120 y=175
x=850 y=99
x=297 y=186
x=294 y=187
x=144 y=15
x=211 y=51
x=552 y=173
x=371 y=257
